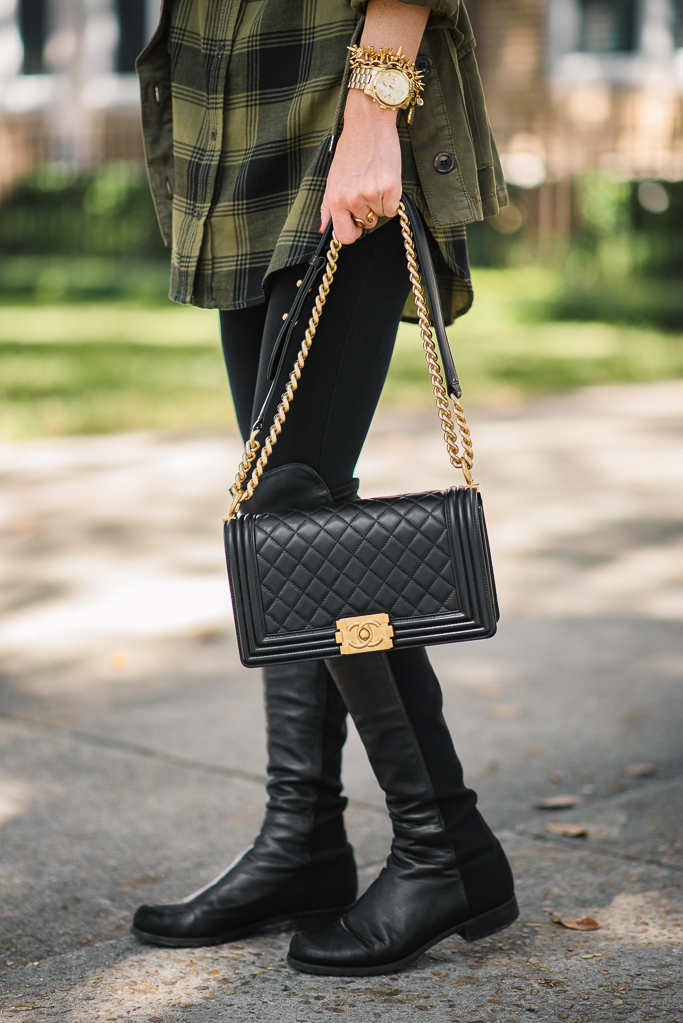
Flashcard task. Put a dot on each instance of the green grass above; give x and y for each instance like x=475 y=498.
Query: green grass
x=99 y=366
x=510 y=345
x=105 y=366
x=50 y=279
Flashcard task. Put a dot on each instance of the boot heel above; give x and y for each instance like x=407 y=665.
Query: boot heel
x=489 y=923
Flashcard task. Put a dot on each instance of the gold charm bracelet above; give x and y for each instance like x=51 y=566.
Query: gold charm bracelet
x=389 y=78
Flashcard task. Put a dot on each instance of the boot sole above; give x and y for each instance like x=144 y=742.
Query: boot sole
x=314 y=917
x=472 y=930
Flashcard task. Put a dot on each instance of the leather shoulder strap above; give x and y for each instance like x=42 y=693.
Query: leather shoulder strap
x=424 y=258
x=315 y=264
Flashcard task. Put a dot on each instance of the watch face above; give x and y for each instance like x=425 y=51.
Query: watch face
x=392 y=88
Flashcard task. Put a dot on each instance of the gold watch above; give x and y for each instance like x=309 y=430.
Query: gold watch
x=391 y=80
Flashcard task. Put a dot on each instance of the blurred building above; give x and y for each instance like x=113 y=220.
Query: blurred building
x=68 y=89
x=599 y=83
x=572 y=85
x=581 y=85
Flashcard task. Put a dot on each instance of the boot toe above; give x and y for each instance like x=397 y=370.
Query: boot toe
x=146 y=918
x=330 y=950
x=161 y=921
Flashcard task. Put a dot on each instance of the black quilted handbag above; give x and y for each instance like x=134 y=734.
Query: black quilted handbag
x=360 y=576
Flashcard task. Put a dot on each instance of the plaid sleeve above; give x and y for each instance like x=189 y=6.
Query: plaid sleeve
x=239 y=99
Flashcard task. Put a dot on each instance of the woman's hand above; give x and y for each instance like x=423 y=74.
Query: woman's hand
x=366 y=170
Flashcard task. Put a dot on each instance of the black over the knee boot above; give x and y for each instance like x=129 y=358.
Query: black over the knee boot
x=301 y=863
x=447 y=873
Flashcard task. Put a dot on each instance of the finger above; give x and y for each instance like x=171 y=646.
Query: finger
x=345 y=229
x=390 y=200
x=324 y=215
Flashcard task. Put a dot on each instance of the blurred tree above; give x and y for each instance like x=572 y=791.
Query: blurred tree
x=104 y=211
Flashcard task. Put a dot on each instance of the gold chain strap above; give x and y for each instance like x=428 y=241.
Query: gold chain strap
x=462 y=461
x=238 y=491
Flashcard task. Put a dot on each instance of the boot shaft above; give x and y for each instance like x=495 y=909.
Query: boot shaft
x=306 y=730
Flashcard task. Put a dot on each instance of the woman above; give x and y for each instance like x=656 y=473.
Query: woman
x=242 y=102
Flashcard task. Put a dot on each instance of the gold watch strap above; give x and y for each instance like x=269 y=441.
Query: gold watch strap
x=361 y=79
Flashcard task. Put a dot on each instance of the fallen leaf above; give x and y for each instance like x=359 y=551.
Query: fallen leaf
x=492 y=691
x=641 y=770
x=558 y=802
x=565 y=828
x=132 y=882
x=504 y=711
x=584 y=923
x=208 y=634
x=118 y=660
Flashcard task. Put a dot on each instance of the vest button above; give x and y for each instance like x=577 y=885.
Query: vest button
x=423 y=64
x=444 y=163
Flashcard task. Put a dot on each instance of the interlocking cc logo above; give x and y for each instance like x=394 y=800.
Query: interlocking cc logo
x=364 y=634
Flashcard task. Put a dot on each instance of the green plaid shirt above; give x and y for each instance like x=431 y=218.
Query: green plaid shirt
x=238 y=105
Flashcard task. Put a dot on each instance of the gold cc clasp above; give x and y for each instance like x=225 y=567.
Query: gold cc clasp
x=365 y=633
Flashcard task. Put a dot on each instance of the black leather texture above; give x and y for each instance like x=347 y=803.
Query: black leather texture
x=281 y=347
x=423 y=559
x=421 y=895
x=290 y=486
x=301 y=863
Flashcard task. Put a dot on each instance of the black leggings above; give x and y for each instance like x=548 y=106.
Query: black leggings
x=345 y=371
x=325 y=429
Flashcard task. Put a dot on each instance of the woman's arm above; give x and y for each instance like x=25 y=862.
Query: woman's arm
x=366 y=170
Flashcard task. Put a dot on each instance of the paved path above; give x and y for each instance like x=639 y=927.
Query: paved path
x=133 y=739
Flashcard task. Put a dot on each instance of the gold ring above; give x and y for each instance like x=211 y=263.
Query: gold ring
x=359 y=223
x=371 y=217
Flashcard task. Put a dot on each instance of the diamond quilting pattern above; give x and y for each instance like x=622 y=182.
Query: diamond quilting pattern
x=316 y=567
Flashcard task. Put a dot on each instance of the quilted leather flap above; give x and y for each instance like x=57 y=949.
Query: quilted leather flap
x=386 y=554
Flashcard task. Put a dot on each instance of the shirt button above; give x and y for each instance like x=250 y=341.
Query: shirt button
x=423 y=64
x=220 y=48
x=444 y=163
x=197 y=214
x=213 y=133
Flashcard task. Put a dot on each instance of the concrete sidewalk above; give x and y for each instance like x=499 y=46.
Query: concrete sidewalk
x=133 y=748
